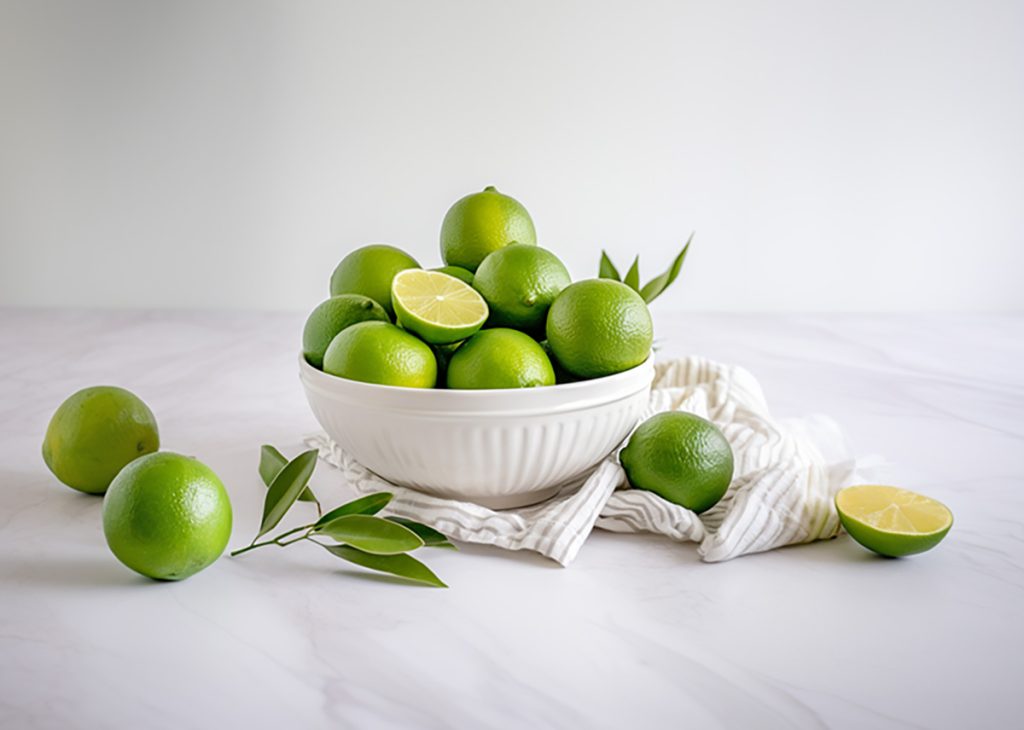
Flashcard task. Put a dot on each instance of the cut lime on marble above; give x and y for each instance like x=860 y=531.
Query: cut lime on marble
x=438 y=307
x=891 y=521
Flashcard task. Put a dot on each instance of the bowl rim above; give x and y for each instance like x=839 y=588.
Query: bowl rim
x=326 y=379
x=459 y=405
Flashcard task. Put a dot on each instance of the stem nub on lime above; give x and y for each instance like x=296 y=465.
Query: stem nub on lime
x=481 y=223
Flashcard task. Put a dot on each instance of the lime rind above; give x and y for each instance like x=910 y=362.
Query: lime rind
x=369 y=271
x=481 y=223
x=499 y=358
x=458 y=272
x=382 y=354
x=332 y=316
x=95 y=433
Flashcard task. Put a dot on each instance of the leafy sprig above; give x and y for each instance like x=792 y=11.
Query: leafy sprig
x=653 y=288
x=272 y=462
x=359 y=535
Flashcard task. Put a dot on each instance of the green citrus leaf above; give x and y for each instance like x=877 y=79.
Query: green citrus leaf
x=607 y=269
x=286 y=488
x=632 y=279
x=404 y=566
x=371 y=504
x=430 y=536
x=371 y=534
x=272 y=462
x=662 y=282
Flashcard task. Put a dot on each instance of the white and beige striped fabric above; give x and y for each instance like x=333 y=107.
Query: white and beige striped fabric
x=786 y=475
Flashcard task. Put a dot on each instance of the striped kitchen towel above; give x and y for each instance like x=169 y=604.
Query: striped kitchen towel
x=786 y=475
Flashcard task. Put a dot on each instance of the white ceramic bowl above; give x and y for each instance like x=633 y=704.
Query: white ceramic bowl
x=498 y=448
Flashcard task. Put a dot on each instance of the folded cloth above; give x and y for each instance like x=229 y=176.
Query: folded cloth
x=781 y=494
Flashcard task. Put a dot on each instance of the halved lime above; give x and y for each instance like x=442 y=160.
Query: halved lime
x=439 y=308
x=891 y=521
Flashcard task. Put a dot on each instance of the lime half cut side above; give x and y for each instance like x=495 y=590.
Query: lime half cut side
x=439 y=308
x=891 y=521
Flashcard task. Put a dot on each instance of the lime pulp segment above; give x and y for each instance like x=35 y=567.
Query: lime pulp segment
x=895 y=510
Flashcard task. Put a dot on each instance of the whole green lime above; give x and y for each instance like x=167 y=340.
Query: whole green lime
x=499 y=358
x=458 y=272
x=680 y=457
x=519 y=284
x=167 y=516
x=369 y=271
x=481 y=223
x=599 y=327
x=94 y=433
x=379 y=352
x=331 y=317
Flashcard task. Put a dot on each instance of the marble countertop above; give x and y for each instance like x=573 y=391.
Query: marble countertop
x=636 y=633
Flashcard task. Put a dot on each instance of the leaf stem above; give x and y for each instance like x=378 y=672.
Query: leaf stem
x=275 y=541
x=247 y=548
x=286 y=543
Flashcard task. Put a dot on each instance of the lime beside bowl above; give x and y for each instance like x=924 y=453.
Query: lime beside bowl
x=892 y=522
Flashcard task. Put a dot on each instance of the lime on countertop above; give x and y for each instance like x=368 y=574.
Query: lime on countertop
x=891 y=521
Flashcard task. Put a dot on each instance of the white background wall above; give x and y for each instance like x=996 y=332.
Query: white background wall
x=830 y=155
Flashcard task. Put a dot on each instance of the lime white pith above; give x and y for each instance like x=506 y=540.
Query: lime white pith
x=439 y=308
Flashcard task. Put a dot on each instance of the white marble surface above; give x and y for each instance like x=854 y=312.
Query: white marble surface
x=637 y=633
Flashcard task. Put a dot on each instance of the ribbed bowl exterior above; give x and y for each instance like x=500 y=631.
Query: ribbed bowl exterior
x=498 y=448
